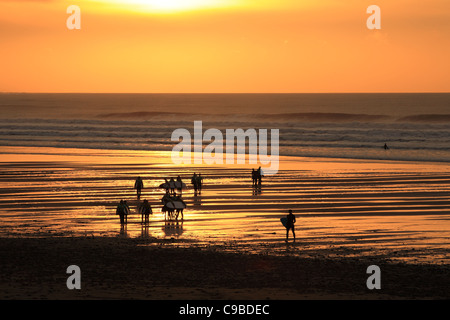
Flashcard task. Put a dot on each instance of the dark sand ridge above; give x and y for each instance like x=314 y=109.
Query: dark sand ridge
x=124 y=268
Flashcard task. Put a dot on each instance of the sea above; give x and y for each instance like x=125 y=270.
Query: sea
x=414 y=126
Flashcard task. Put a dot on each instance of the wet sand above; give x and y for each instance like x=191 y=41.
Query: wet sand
x=57 y=208
x=130 y=268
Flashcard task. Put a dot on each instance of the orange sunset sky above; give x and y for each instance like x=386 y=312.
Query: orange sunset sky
x=224 y=46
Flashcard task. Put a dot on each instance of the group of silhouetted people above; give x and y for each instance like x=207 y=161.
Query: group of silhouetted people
x=257 y=176
x=123 y=210
x=144 y=208
x=197 y=182
x=171 y=185
x=173 y=205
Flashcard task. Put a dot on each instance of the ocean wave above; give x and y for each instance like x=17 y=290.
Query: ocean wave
x=140 y=115
x=316 y=116
x=325 y=117
x=361 y=152
x=426 y=118
x=348 y=137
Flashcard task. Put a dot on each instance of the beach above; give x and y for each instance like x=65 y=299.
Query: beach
x=124 y=268
x=340 y=108
x=58 y=209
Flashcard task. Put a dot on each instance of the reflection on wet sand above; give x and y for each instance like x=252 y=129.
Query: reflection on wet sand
x=173 y=229
x=341 y=206
x=257 y=189
x=196 y=201
x=123 y=230
x=145 y=231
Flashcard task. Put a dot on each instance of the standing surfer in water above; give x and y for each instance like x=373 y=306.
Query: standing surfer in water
x=290 y=225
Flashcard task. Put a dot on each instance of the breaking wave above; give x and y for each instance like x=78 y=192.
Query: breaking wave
x=289 y=117
x=414 y=126
x=420 y=141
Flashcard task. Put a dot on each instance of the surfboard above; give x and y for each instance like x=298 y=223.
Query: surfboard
x=164 y=185
x=173 y=185
x=284 y=221
x=180 y=185
x=176 y=205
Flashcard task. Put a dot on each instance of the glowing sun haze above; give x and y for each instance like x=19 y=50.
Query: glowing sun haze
x=224 y=46
x=168 y=5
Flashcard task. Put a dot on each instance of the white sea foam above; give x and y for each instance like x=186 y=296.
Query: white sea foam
x=84 y=121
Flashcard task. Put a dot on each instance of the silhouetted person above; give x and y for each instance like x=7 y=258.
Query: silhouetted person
x=167 y=184
x=254 y=176
x=386 y=147
x=172 y=185
x=290 y=225
x=199 y=182
x=259 y=175
x=194 y=182
x=180 y=184
x=138 y=185
x=121 y=212
x=146 y=210
x=127 y=210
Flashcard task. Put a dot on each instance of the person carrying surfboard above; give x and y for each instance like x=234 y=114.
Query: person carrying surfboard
x=146 y=210
x=290 y=225
x=121 y=212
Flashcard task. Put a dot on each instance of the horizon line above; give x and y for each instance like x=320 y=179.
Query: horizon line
x=349 y=92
